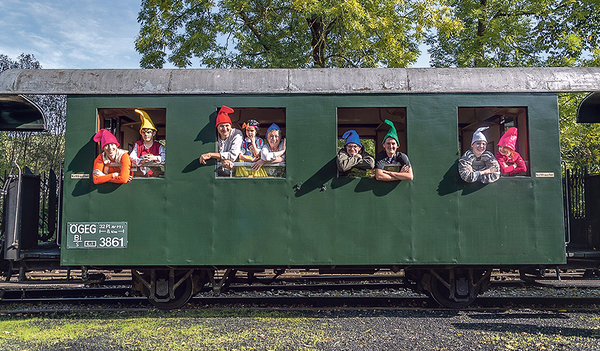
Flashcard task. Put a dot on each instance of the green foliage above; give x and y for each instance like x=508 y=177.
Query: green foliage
x=579 y=142
x=501 y=33
x=287 y=33
x=505 y=33
x=368 y=145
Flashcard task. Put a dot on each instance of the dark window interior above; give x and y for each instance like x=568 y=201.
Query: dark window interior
x=368 y=123
x=266 y=117
x=125 y=124
x=499 y=119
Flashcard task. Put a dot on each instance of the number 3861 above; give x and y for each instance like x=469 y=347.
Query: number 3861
x=111 y=242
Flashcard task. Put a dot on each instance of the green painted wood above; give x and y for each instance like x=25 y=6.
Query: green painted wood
x=191 y=218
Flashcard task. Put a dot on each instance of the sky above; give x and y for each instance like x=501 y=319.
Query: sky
x=71 y=33
x=64 y=34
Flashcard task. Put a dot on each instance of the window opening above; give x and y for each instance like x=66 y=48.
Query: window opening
x=368 y=122
x=126 y=124
x=244 y=118
x=499 y=120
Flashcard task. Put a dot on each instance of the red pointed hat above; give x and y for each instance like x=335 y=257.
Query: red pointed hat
x=105 y=137
x=223 y=115
x=509 y=139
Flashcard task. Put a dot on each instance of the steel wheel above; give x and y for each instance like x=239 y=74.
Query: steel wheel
x=455 y=288
x=164 y=288
x=183 y=293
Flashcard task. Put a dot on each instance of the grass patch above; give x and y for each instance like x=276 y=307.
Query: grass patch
x=182 y=330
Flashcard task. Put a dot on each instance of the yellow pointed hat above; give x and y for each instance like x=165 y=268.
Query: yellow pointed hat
x=146 y=121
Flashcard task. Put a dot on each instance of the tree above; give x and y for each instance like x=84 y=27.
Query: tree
x=40 y=151
x=530 y=33
x=502 y=33
x=287 y=33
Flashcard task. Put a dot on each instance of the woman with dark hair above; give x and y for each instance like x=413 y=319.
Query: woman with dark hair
x=251 y=146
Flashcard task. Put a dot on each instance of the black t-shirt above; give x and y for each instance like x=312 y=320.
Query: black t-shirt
x=382 y=161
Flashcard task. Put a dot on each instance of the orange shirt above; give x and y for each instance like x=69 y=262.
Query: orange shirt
x=108 y=171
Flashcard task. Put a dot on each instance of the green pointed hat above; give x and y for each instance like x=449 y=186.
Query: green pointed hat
x=392 y=132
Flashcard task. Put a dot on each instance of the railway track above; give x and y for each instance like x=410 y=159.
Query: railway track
x=52 y=305
x=294 y=291
x=52 y=288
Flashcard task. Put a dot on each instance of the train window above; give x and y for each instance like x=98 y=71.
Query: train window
x=499 y=120
x=368 y=123
x=267 y=125
x=142 y=132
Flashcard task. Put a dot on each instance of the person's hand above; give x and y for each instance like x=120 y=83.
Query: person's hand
x=98 y=173
x=284 y=144
x=149 y=158
x=405 y=169
x=204 y=157
x=256 y=166
x=228 y=164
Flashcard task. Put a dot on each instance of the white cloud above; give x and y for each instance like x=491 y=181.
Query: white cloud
x=72 y=33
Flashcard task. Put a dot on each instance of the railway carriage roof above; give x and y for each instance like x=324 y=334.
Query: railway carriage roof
x=19 y=113
x=301 y=81
x=589 y=109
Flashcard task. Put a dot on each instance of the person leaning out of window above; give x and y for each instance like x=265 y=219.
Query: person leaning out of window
x=478 y=164
x=274 y=150
x=391 y=164
x=352 y=159
x=229 y=143
x=147 y=151
x=113 y=165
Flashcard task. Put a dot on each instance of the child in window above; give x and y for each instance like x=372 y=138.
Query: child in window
x=251 y=146
x=148 y=151
x=510 y=161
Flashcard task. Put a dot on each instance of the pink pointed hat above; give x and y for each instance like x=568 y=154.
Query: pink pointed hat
x=509 y=139
x=105 y=137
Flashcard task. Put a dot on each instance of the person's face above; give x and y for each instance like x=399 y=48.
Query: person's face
x=148 y=134
x=478 y=147
x=224 y=130
x=110 y=150
x=391 y=146
x=251 y=132
x=504 y=150
x=352 y=149
x=274 y=138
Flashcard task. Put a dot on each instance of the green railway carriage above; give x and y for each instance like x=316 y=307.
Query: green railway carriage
x=311 y=217
x=175 y=229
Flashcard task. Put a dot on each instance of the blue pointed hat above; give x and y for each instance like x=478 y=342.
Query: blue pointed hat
x=273 y=127
x=351 y=136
